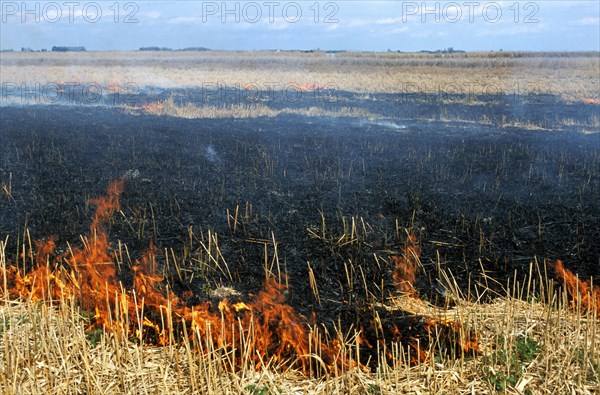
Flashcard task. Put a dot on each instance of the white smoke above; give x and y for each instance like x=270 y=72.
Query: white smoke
x=211 y=155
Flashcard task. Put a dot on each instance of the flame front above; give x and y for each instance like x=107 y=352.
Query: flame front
x=263 y=330
x=442 y=328
x=272 y=332
x=153 y=108
x=406 y=267
x=581 y=292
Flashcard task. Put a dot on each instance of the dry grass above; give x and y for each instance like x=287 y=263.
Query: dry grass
x=540 y=346
x=190 y=110
x=571 y=74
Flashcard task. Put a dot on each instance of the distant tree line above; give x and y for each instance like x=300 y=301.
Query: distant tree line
x=170 y=49
x=445 y=50
x=68 y=49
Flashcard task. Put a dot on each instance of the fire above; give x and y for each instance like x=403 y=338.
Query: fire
x=453 y=331
x=581 y=292
x=153 y=108
x=262 y=329
x=589 y=100
x=266 y=328
x=42 y=282
x=404 y=275
x=275 y=330
x=308 y=87
x=442 y=328
x=419 y=331
x=113 y=86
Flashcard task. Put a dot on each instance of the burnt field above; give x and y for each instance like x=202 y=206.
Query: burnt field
x=322 y=204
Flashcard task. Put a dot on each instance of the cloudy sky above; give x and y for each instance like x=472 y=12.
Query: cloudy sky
x=328 y=25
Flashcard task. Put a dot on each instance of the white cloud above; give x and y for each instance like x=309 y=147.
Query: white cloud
x=429 y=34
x=358 y=23
x=278 y=24
x=397 y=30
x=53 y=14
x=588 y=21
x=422 y=34
x=152 y=14
x=513 y=30
x=388 y=21
x=185 y=20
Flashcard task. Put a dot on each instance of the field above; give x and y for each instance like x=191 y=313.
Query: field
x=573 y=74
x=274 y=223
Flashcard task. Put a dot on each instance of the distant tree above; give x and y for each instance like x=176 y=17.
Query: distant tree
x=67 y=49
x=155 y=49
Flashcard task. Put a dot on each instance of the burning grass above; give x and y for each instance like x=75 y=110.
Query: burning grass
x=530 y=347
x=170 y=108
x=406 y=267
x=265 y=330
x=583 y=295
x=71 y=325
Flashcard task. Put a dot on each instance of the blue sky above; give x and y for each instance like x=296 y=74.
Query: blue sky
x=328 y=25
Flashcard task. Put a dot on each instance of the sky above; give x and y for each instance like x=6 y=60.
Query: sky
x=327 y=25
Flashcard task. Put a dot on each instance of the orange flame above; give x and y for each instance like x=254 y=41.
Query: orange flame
x=589 y=100
x=113 y=86
x=153 y=108
x=452 y=330
x=404 y=278
x=308 y=87
x=404 y=275
x=273 y=331
x=580 y=291
x=263 y=329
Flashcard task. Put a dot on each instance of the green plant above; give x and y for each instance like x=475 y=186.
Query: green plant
x=254 y=389
x=509 y=362
x=206 y=288
x=94 y=336
x=526 y=348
